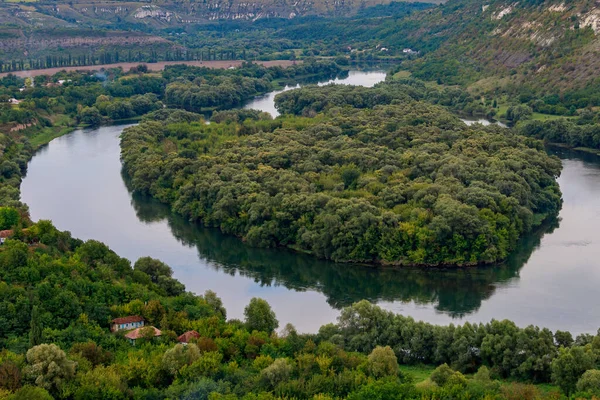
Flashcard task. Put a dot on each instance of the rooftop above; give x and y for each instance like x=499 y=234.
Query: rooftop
x=136 y=333
x=189 y=335
x=122 y=320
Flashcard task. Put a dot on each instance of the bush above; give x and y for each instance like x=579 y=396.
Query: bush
x=589 y=382
x=276 y=373
x=441 y=375
x=31 y=393
x=48 y=367
x=382 y=362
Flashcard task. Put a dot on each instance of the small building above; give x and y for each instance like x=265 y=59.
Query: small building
x=14 y=101
x=126 y=323
x=137 y=334
x=5 y=235
x=188 y=336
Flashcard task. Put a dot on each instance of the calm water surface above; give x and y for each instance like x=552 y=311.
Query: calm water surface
x=360 y=78
x=483 y=122
x=550 y=281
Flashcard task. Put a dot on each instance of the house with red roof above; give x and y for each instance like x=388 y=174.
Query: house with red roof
x=126 y=323
x=5 y=234
x=188 y=336
x=137 y=334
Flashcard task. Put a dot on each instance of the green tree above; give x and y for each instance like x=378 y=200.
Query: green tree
x=31 y=393
x=153 y=268
x=563 y=338
x=589 y=382
x=382 y=362
x=260 y=316
x=570 y=365
x=277 y=372
x=102 y=383
x=385 y=390
x=216 y=303
x=442 y=374
x=35 y=330
x=161 y=274
x=482 y=375
x=518 y=113
x=14 y=255
x=177 y=357
x=154 y=312
x=350 y=174
x=92 y=352
x=9 y=217
x=90 y=116
x=208 y=365
x=48 y=367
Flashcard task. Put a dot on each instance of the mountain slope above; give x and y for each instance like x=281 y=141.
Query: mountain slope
x=502 y=43
x=158 y=14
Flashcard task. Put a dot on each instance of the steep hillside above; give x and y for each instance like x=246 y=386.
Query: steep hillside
x=157 y=14
x=550 y=44
x=545 y=47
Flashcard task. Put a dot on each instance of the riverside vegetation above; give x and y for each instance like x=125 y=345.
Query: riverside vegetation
x=51 y=105
x=58 y=294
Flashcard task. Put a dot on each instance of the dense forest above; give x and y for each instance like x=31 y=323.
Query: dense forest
x=545 y=66
x=310 y=100
x=201 y=89
x=52 y=104
x=59 y=294
x=401 y=184
x=577 y=134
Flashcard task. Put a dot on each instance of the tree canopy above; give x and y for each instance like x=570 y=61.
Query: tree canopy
x=402 y=184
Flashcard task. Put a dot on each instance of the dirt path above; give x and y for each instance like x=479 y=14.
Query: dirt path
x=159 y=66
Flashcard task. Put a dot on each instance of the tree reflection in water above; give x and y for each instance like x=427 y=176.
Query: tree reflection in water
x=456 y=292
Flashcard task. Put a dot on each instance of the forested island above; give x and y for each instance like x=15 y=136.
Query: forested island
x=405 y=183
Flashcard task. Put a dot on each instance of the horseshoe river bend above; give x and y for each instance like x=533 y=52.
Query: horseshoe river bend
x=76 y=182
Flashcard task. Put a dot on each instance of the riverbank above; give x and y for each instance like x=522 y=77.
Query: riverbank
x=95 y=200
x=585 y=150
x=154 y=67
x=95 y=204
x=48 y=134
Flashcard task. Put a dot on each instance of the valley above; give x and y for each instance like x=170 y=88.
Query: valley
x=348 y=200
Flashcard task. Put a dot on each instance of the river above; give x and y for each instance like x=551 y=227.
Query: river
x=361 y=78
x=549 y=281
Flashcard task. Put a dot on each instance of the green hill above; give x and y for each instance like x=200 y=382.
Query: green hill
x=504 y=45
x=158 y=14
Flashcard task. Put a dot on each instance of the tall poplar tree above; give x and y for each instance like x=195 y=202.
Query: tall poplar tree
x=35 y=333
